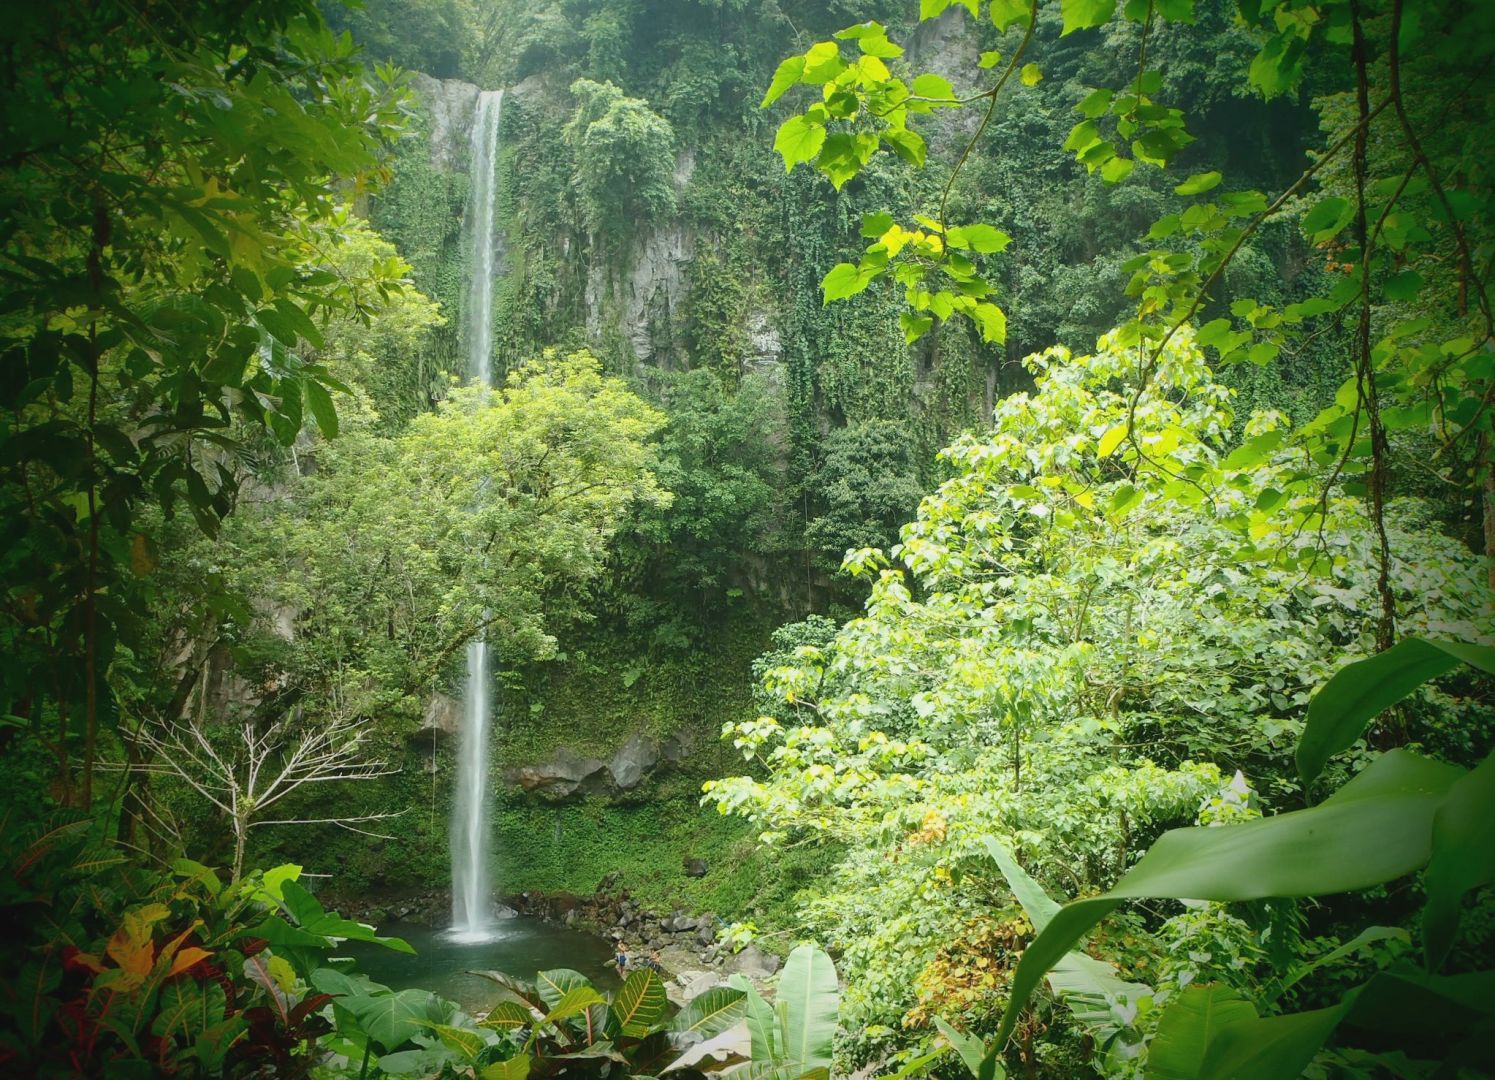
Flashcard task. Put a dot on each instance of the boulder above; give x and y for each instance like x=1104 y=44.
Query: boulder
x=754 y=963
x=691 y=984
x=561 y=777
x=442 y=716
x=634 y=760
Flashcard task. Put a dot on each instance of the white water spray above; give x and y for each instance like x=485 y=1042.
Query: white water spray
x=472 y=908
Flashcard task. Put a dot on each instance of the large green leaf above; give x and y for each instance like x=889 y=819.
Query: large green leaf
x=393 y=1018
x=277 y=931
x=972 y=1050
x=1036 y=903
x=1087 y=986
x=319 y=404
x=710 y=1013
x=1083 y=14
x=843 y=280
x=1187 y=1026
x=1269 y=1047
x=808 y=993
x=312 y=919
x=467 y=1043
x=799 y=139
x=761 y=1024
x=573 y=1002
x=978 y=237
x=1463 y=857
x=919 y=1065
x=338 y=983
x=1358 y=692
x=1374 y=829
x=213 y=1045
x=187 y=1008
x=516 y=1068
x=508 y=1016
x=640 y=1003
x=784 y=77
x=557 y=983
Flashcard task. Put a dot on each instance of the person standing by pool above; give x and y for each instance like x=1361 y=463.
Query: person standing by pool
x=620 y=961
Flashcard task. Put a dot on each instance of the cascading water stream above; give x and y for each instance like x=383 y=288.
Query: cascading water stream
x=472 y=909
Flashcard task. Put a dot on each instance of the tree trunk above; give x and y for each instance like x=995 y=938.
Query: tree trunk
x=241 y=830
x=1490 y=524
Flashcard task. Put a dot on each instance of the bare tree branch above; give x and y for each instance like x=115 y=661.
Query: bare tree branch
x=233 y=777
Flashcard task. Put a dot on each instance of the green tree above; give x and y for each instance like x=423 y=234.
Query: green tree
x=867 y=485
x=721 y=455
x=172 y=187
x=624 y=158
x=437 y=37
x=487 y=516
x=1069 y=647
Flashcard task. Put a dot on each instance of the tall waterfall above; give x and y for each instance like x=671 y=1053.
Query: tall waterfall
x=472 y=909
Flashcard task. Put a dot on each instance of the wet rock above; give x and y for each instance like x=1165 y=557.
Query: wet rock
x=634 y=760
x=705 y=933
x=648 y=292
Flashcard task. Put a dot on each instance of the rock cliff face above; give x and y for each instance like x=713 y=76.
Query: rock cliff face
x=449 y=105
x=643 y=297
x=636 y=296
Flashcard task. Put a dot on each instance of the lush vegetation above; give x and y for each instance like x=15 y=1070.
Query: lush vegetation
x=1018 y=477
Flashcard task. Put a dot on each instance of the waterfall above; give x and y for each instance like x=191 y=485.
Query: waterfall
x=480 y=202
x=472 y=910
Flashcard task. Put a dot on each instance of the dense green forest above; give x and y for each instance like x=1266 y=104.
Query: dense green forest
x=962 y=533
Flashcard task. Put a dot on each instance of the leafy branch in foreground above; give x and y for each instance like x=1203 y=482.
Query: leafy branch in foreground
x=1399 y=229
